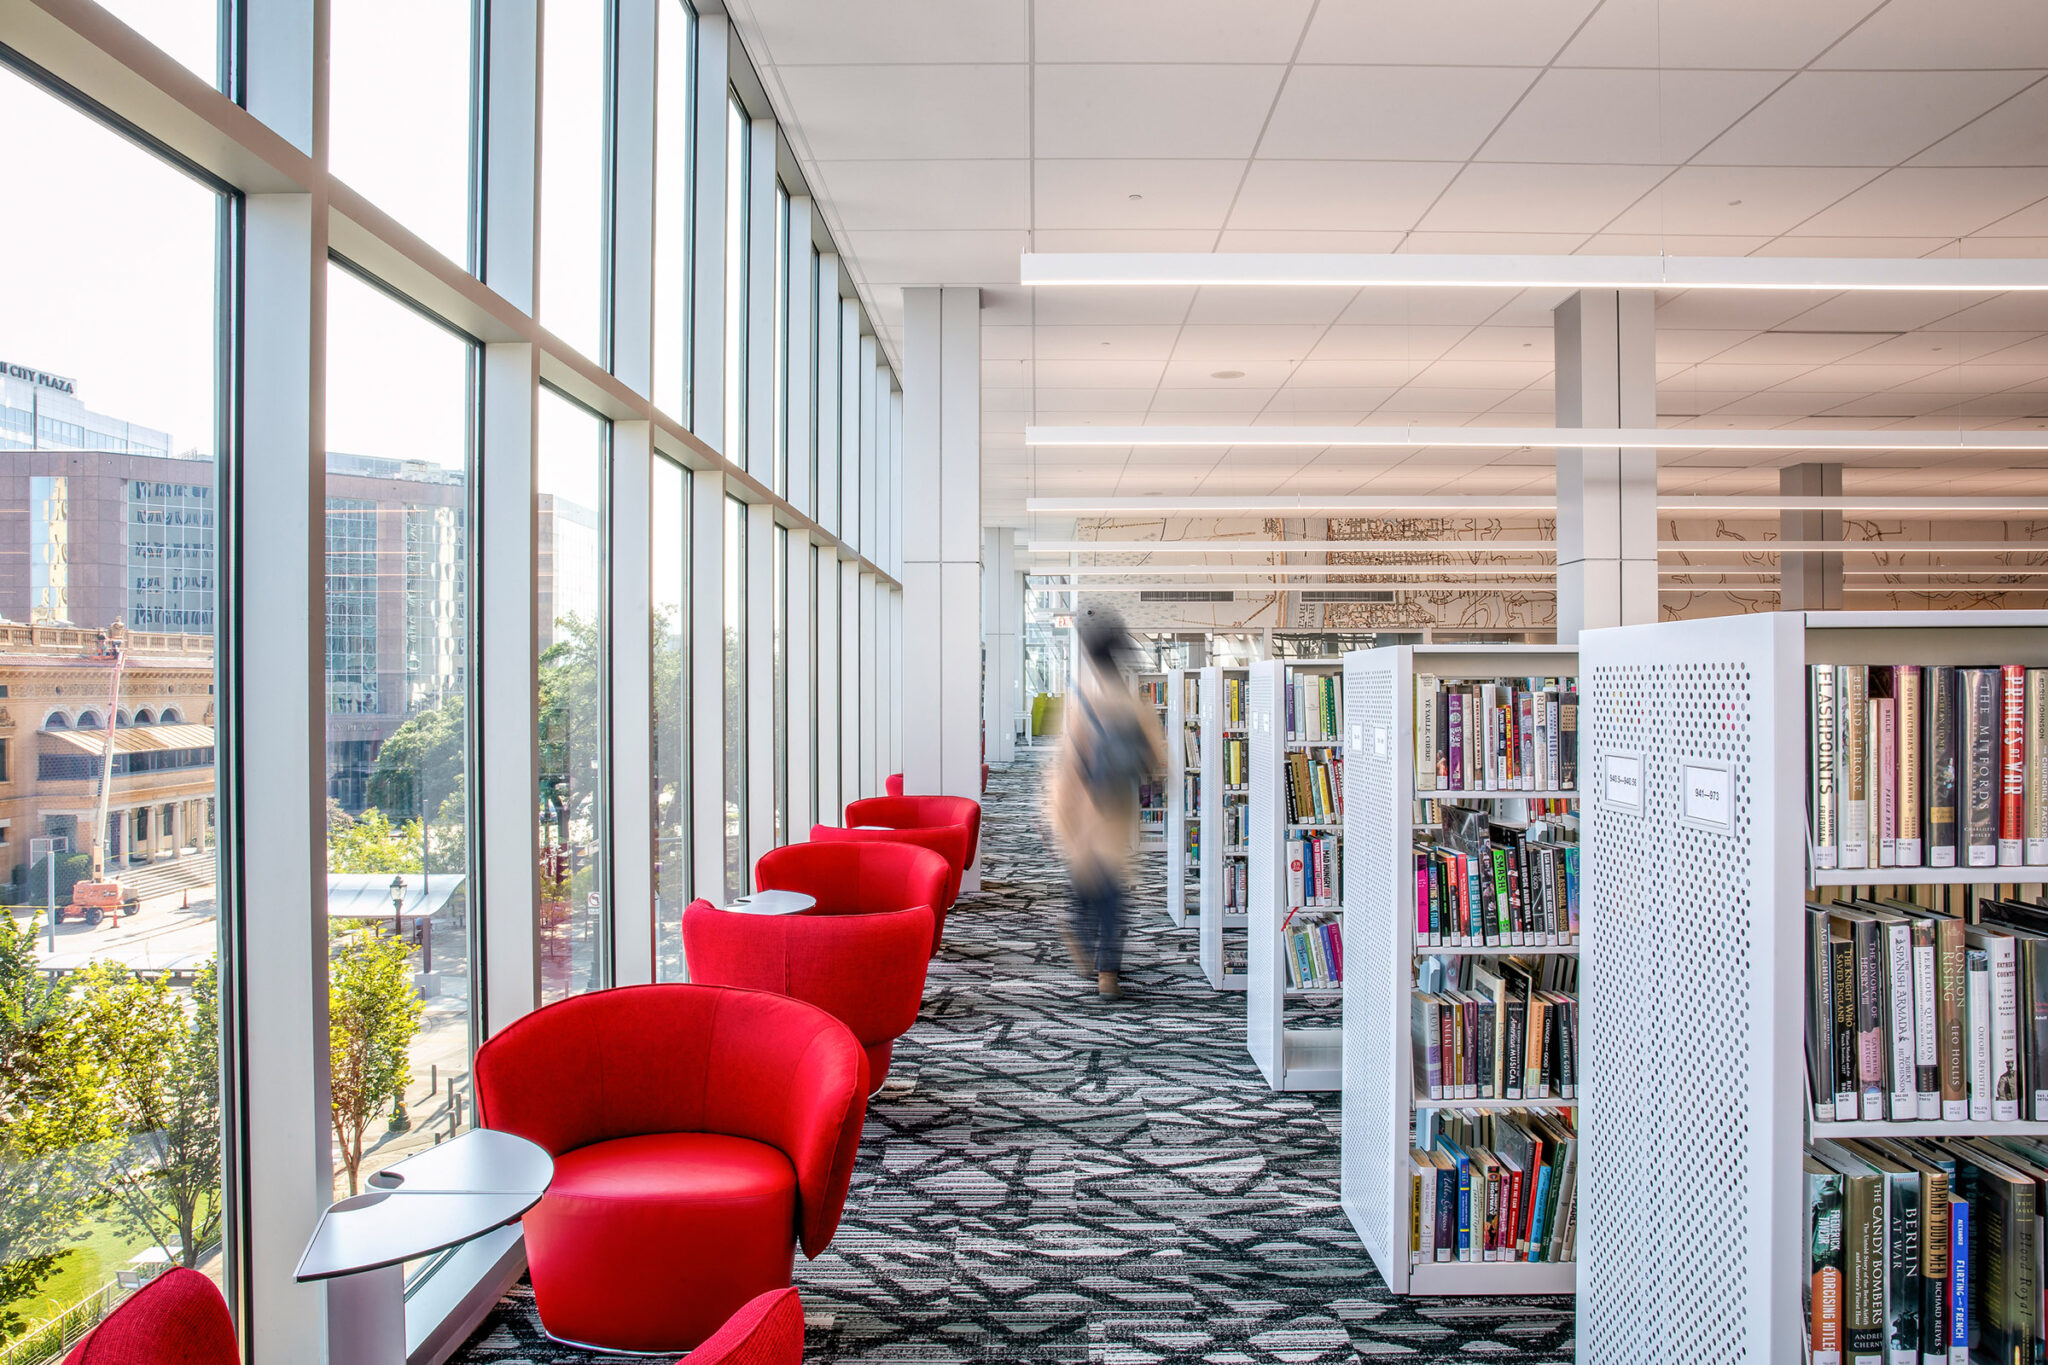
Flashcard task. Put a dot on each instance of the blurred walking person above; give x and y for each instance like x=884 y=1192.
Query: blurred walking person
x=1111 y=743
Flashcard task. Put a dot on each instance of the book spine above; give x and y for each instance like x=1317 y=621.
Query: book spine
x=1952 y=985
x=2034 y=1024
x=1907 y=689
x=1851 y=774
x=1824 y=1267
x=1959 y=1270
x=1926 y=1044
x=1870 y=1012
x=1820 y=1017
x=2034 y=828
x=1820 y=765
x=1902 y=1269
x=1425 y=732
x=2012 y=764
x=2005 y=1029
x=1863 y=1270
x=1455 y=719
x=1977 y=794
x=1904 y=1101
x=1568 y=739
x=1939 y=826
x=1843 y=955
x=1980 y=1036
x=1887 y=783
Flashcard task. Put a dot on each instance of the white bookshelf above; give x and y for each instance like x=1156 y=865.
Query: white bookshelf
x=1220 y=921
x=1381 y=950
x=1290 y=1056
x=1690 y=1190
x=1152 y=817
x=1183 y=877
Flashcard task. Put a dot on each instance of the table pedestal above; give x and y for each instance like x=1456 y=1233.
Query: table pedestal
x=366 y=1317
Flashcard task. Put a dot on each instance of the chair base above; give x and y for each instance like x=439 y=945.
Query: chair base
x=605 y=1350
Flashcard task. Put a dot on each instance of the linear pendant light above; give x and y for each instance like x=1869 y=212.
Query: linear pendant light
x=1305 y=503
x=1542 y=438
x=1384 y=270
x=1267 y=547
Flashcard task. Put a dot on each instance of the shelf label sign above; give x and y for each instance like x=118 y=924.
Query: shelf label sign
x=1707 y=795
x=1379 y=741
x=1622 y=784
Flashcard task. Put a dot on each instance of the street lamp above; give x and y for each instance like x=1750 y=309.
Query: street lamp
x=400 y=1121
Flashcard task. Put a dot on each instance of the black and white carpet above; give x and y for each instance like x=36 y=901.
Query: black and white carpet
x=1048 y=1177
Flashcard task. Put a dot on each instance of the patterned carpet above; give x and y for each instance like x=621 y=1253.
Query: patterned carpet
x=1049 y=1177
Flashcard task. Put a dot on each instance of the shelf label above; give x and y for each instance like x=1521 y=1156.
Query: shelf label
x=1707 y=795
x=1623 y=781
x=1379 y=741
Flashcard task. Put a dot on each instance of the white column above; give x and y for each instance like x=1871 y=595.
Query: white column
x=942 y=542
x=1810 y=582
x=707 y=355
x=759 y=754
x=803 y=705
x=631 y=771
x=1001 y=600
x=1606 y=498
x=831 y=803
x=851 y=701
x=707 y=682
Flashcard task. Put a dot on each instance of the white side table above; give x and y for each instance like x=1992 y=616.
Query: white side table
x=461 y=1189
x=772 y=903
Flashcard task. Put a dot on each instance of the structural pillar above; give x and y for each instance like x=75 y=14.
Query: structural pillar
x=1606 y=497
x=941 y=486
x=1002 y=603
x=1810 y=582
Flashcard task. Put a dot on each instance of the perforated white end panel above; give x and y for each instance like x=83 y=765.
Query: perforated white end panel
x=1265 y=1001
x=1181 y=889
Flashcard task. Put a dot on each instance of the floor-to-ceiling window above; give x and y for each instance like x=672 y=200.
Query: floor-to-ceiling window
x=669 y=580
x=735 y=710
x=778 y=694
x=780 y=388
x=574 y=216
x=811 y=730
x=111 y=1120
x=738 y=147
x=399 y=113
x=401 y=403
x=573 y=702
x=675 y=168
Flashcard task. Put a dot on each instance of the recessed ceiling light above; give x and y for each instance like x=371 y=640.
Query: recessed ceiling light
x=1226 y=374
x=1137 y=196
x=1733 y=202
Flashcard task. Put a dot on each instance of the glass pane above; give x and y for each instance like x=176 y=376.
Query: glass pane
x=573 y=254
x=399 y=113
x=781 y=384
x=823 y=388
x=779 y=682
x=734 y=728
x=671 y=719
x=188 y=30
x=736 y=155
x=399 y=404
x=569 y=589
x=674 y=167
x=811 y=698
x=110 y=1099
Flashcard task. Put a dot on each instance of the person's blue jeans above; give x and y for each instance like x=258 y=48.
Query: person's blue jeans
x=1098 y=922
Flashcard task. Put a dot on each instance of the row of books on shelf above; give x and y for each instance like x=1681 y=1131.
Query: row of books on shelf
x=1925 y=1251
x=1152 y=691
x=1518 y=734
x=1912 y=765
x=1237 y=761
x=1312 y=867
x=1192 y=846
x=1236 y=818
x=1191 y=694
x=1236 y=692
x=1312 y=946
x=1483 y=1028
x=1313 y=704
x=1190 y=794
x=1913 y=1014
x=1315 y=786
x=1152 y=795
x=1430 y=811
x=1235 y=875
x=1498 y=1186
x=1191 y=745
x=1480 y=881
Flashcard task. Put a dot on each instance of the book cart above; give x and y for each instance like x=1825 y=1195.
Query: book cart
x=1152 y=831
x=1299 y=1056
x=1381 y=949
x=1185 y=793
x=1225 y=819
x=1693 y=756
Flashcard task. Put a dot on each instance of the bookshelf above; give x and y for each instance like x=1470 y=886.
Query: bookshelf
x=1152 y=831
x=1381 y=949
x=1699 y=1116
x=1186 y=791
x=1290 y=1056
x=1224 y=808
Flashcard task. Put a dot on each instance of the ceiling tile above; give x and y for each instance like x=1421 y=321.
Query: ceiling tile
x=1428 y=307
x=926 y=194
x=806 y=32
x=1168 y=30
x=1134 y=194
x=1355 y=402
x=1098 y=374
x=1738 y=199
x=1504 y=343
x=1275 y=240
x=1711 y=309
x=1171 y=402
x=1005 y=343
x=1481 y=32
x=1201 y=374
x=1124 y=239
x=1859 y=118
x=1384 y=113
x=1761 y=34
x=1379 y=342
x=1654 y=244
x=1927 y=34
x=1484 y=374
x=1267 y=307
x=936 y=257
x=1151 y=111
x=1102 y=343
x=1074 y=306
x=1632 y=117
x=910 y=112
x=1538 y=198
x=1493 y=243
x=999 y=373
x=1329 y=374
x=1948 y=201
x=1801 y=244
x=1238 y=343
x=1795 y=347
x=2009 y=135
x=1339 y=195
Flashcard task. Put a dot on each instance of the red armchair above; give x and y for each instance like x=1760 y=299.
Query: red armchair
x=948 y=841
x=698 y=1132
x=893 y=784
x=178 y=1318
x=920 y=812
x=866 y=971
x=857 y=878
x=769 y=1330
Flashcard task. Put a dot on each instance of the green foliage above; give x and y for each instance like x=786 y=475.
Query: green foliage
x=373 y=1013
x=72 y=868
x=371 y=843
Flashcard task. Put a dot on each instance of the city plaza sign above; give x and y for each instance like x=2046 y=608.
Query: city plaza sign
x=40 y=378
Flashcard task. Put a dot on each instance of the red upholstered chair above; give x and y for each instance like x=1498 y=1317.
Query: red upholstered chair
x=920 y=812
x=893 y=784
x=858 y=878
x=699 y=1134
x=178 y=1318
x=866 y=971
x=948 y=841
x=769 y=1330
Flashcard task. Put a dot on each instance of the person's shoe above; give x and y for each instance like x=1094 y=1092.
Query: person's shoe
x=1106 y=986
x=1081 y=960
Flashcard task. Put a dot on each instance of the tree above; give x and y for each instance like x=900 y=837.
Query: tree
x=159 y=1064
x=370 y=843
x=51 y=1120
x=373 y=1013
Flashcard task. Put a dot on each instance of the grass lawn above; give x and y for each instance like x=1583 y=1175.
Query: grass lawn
x=92 y=1263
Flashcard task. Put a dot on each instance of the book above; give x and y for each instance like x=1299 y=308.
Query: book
x=2001 y=955
x=1979 y=1015
x=1903 y=1261
x=1884 y=742
x=1823 y=1263
x=1820 y=1016
x=1977 y=780
x=1906 y=685
x=1851 y=771
x=2012 y=764
x=2034 y=825
x=1939 y=820
x=1864 y=1251
x=1959 y=1267
x=1823 y=833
